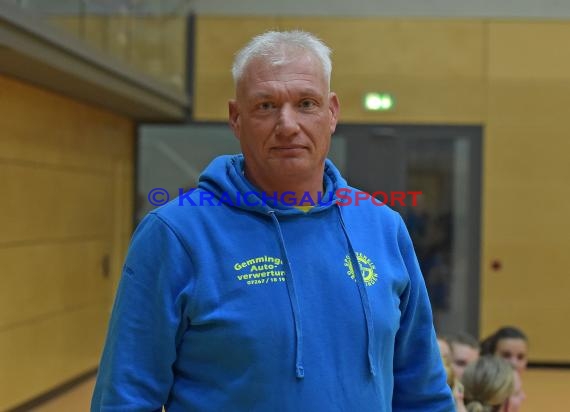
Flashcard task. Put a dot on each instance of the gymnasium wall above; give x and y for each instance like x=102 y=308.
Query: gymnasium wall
x=511 y=77
x=67 y=186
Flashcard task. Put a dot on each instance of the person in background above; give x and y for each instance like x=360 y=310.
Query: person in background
x=464 y=350
x=454 y=384
x=444 y=348
x=518 y=396
x=488 y=383
x=509 y=343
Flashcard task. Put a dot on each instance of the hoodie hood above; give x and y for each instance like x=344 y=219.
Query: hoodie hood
x=225 y=179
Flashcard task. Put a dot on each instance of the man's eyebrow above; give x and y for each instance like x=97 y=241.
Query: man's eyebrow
x=308 y=91
x=261 y=95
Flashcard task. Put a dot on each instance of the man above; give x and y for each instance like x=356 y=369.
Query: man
x=252 y=302
x=464 y=351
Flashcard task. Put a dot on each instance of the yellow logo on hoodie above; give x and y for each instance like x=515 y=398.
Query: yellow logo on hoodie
x=367 y=268
x=260 y=270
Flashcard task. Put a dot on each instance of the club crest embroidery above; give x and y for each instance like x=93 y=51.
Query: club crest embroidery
x=367 y=268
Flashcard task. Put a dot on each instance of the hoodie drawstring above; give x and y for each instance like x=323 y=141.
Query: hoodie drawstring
x=290 y=281
x=363 y=297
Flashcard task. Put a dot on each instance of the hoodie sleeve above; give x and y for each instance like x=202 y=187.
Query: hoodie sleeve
x=147 y=322
x=419 y=377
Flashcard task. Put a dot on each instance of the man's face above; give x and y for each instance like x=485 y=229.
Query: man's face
x=284 y=117
x=462 y=356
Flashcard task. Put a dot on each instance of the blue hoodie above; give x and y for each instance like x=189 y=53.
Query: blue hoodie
x=233 y=305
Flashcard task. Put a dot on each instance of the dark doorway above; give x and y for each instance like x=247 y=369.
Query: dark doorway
x=444 y=164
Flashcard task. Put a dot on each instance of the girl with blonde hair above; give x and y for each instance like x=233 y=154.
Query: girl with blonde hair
x=488 y=383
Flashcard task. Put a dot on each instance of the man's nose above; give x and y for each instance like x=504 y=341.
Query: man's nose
x=287 y=124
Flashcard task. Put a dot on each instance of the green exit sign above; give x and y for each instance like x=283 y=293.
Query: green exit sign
x=379 y=102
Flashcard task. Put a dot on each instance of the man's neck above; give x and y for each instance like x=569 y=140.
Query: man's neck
x=305 y=192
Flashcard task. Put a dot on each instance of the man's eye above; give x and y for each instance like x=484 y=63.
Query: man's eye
x=307 y=104
x=266 y=106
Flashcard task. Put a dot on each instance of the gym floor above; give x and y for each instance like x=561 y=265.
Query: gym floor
x=546 y=390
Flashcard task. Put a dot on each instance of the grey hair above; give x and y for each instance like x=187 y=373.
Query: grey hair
x=276 y=47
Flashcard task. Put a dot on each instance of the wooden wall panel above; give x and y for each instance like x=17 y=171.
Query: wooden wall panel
x=402 y=47
x=526 y=228
x=529 y=50
x=219 y=90
x=43 y=353
x=67 y=174
x=526 y=174
x=56 y=204
x=436 y=101
x=541 y=104
x=46 y=279
x=68 y=135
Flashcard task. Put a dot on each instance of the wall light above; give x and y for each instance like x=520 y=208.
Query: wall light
x=379 y=102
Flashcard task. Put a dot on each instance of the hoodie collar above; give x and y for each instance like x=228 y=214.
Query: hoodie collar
x=225 y=179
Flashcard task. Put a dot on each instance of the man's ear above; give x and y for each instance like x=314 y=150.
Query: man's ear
x=234 y=117
x=334 y=108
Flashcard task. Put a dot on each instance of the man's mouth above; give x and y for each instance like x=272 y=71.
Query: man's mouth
x=289 y=147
